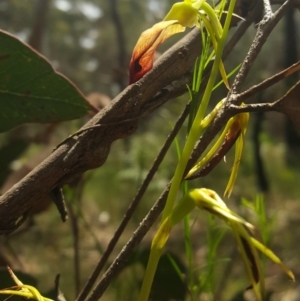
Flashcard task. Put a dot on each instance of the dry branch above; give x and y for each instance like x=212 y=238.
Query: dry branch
x=89 y=149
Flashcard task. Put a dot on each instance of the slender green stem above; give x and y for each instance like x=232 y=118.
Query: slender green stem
x=149 y=276
x=197 y=128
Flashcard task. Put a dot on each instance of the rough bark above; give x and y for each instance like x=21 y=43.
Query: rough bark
x=90 y=148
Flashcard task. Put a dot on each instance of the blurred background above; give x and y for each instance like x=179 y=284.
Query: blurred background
x=90 y=42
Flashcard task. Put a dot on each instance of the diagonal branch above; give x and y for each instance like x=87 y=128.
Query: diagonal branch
x=270 y=81
x=265 y=27
x=135 y=202
x=89 y=149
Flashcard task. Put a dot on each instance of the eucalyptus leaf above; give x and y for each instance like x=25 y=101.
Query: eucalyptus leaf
x=31 y=90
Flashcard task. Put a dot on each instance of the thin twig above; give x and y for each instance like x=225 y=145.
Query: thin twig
x=74 y=205
x=58 y=293
x=120 y=74
x=135 y=202
x=59 y=200
x=267 y=8
x=75 y=234
x=269 y=81
x=96 y=126
x=264 y=29
x=130 y=246
x=255 y=107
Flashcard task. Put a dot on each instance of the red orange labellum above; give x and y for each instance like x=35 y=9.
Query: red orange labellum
x=142 y=57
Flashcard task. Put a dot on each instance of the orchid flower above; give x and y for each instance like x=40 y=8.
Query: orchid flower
x=182 y=14
x=22 y=290
x=234 y=133
x=209 y=200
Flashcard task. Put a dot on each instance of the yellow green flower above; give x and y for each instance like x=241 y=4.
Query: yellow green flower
x=234 y=133
x=182 y=14
x=248 y=245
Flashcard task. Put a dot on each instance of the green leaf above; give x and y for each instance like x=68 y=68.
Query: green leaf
x=31 y=90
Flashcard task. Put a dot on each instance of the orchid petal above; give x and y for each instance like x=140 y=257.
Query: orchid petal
x=269 y=253
x=185 y=13
x=142 y=56
x=239 y=126
x=213 y=150
x=196 y=3
x=251 y=260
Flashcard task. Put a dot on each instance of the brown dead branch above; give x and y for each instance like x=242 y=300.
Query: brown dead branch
x=89 y=149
